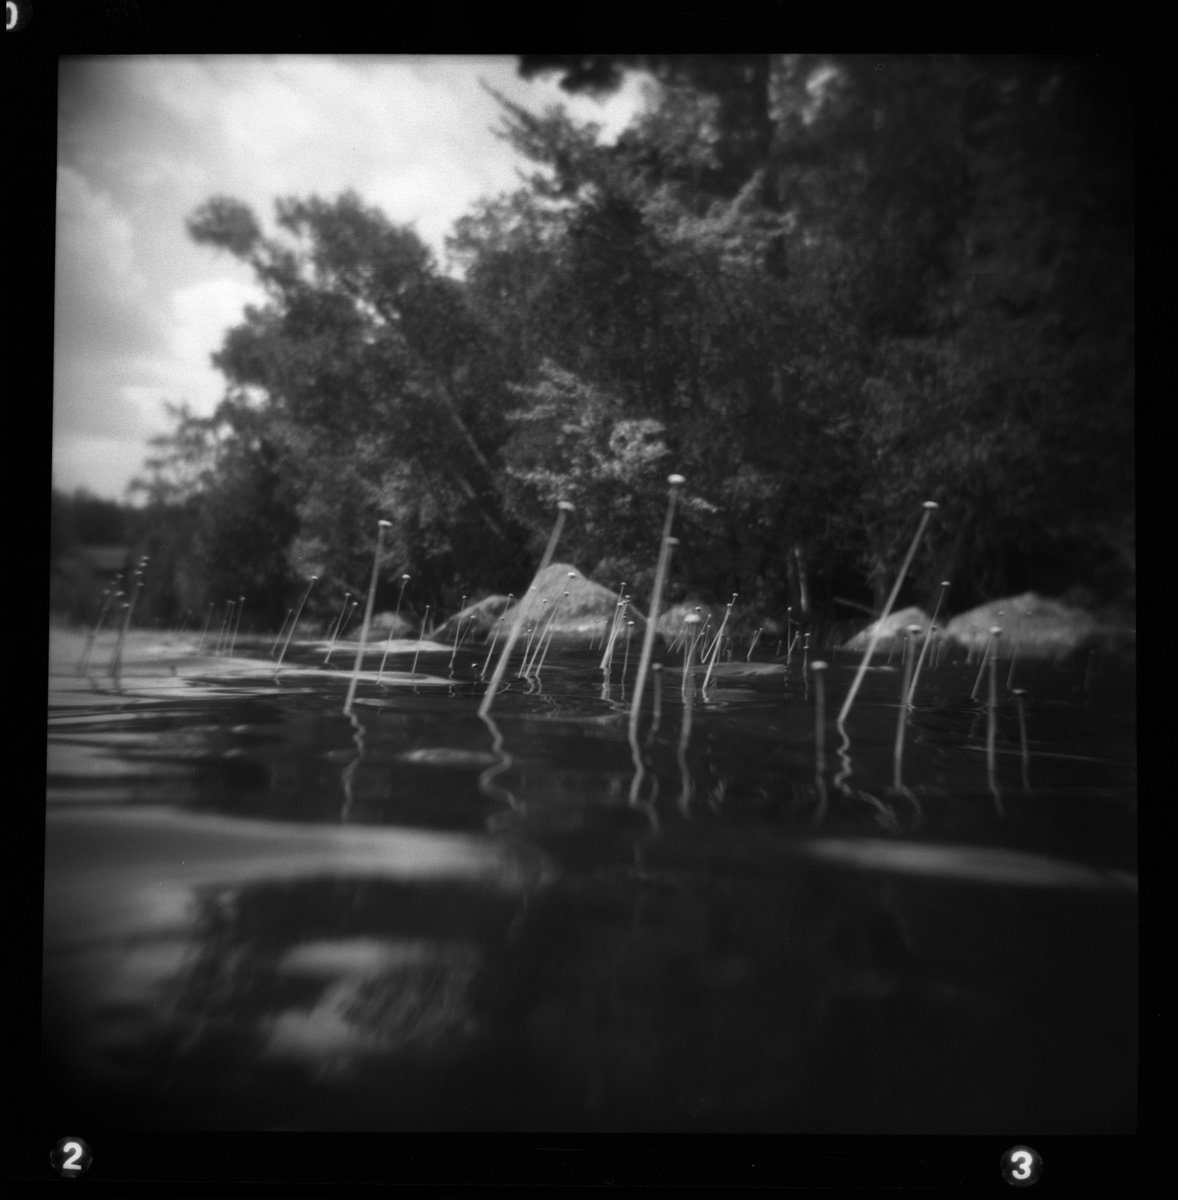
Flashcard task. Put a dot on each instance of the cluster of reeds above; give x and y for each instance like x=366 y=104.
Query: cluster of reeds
x=563 y=508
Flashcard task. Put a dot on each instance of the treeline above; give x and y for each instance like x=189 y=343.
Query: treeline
x=824 y=288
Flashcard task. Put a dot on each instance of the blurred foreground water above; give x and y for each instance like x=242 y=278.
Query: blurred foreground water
x=263 y=914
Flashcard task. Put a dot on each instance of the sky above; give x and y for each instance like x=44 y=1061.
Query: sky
x=143 y=141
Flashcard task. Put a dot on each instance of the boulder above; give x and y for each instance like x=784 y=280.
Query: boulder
x=583 y=608
x=890 y=627
x=1036 y=625
x=478 y=620
x=671 y=623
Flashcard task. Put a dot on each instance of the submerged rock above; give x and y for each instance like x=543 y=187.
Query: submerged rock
x=477 y=620
x=889 y=628
x=586 y=610
x=1036 y=625
x=672 y=622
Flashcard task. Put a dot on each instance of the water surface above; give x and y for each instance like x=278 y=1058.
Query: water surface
x=264 y=914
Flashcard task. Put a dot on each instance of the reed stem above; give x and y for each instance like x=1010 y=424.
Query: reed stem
x=396 y=618
x=381 y=526
x=877 y=628
x=902 y=720
x=420 y=638
x=925 y=644
x=715 y=649
x=563 y=508
x=338 y=626
x=295 y=622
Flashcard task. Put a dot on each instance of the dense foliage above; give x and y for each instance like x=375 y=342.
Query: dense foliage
x=822 y=287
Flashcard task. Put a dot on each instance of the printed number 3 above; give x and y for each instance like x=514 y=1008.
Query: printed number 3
x=1021 y=1166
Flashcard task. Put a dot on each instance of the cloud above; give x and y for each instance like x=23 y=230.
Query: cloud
x=144 y=141
x=102 y=465
x=201 y=314
x=99 y=288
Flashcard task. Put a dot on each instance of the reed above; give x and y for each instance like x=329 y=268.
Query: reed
x=236 y=625
x=336 y=630
x=109 y=595
x=753 y=645
x=703 y=641
x=348 y=619
x=902 y=719
x=494 y=639
x=457 y=629
x=992 y=720
x=685 y=726
x=563 y=508
x=381 y=526
x=396 y=618
x=989 y=649
x=281 y=631
x=1013 y=660
x=607 y=655
x=1018 y=694
x=295 y=622
x=420 y=638
x=226 y=622
x=204 y=631
x=116 y=665
x=667 y=545
x=689 y=623
x=656 y=674
x=925 y=644
x=929 y=507
x=715 y=649
x=536 y=622
x=819 y=669
x=542 y=649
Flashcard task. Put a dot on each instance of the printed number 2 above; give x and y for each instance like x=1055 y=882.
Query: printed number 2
x=71 y=1157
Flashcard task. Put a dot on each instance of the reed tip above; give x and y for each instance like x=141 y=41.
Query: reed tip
x=676 y=480
x=818 y=665
x=383 y=524
x=565 y=506
x=930 y=505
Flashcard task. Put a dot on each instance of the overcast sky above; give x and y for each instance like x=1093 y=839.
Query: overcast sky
x=143 y=141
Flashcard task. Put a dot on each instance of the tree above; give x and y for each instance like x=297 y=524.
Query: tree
x=376 y=384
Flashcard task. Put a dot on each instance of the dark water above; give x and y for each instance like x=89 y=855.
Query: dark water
x=262 y=914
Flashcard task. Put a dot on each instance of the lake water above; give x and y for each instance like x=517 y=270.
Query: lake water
x=262 y=914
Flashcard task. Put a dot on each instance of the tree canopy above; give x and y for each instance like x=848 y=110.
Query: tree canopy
x=821 y=287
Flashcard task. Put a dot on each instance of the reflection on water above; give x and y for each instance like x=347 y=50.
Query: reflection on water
x=263 y=914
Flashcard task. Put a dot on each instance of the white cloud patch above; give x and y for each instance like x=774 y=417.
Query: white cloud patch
x=144 y=141
x=201 y=315
x=99 y=287
x=103 y=465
